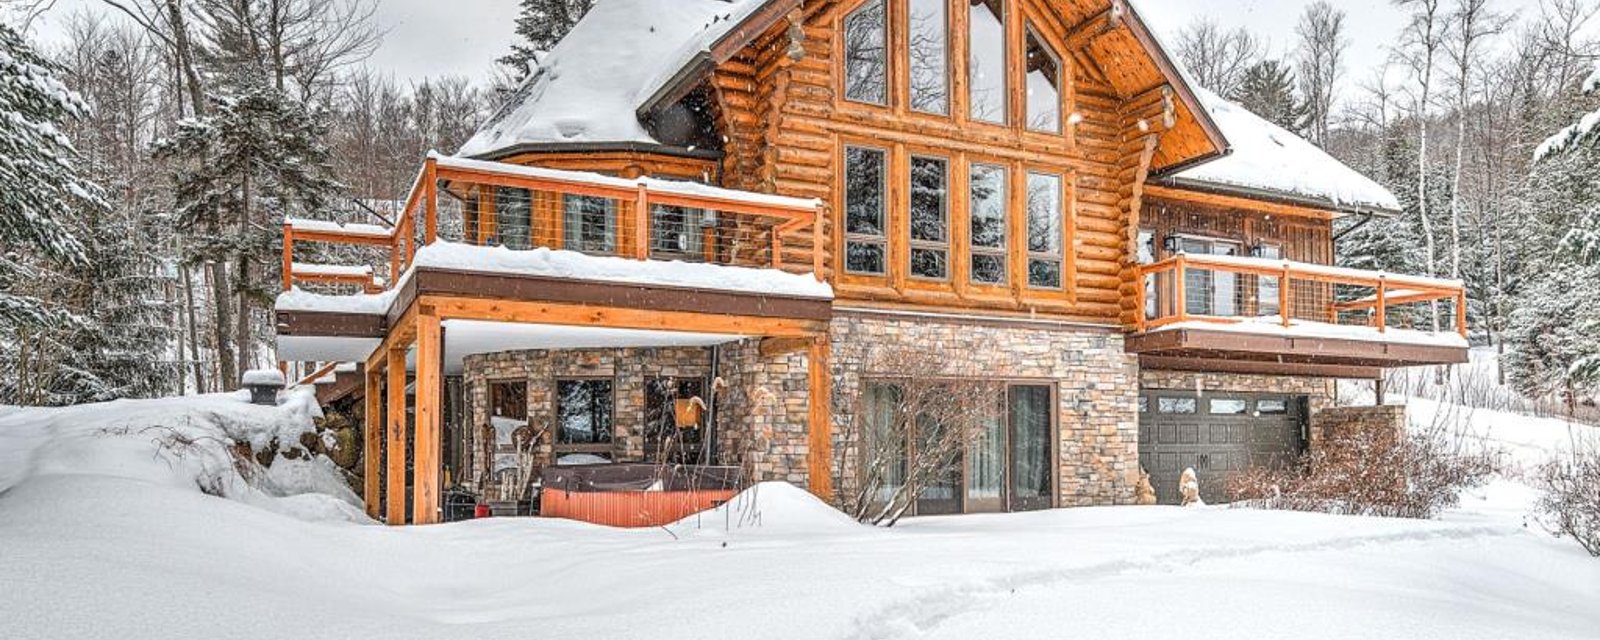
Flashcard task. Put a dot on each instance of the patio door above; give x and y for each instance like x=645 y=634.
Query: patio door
x=1029 y=418
x=1207 y=292
x=941 y=495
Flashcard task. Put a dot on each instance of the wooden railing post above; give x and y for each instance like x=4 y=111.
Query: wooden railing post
x=641 y=223
x=1180 y=292
x=288 y=256
x=777 y=248
x=816 y=245
x=1461 y=312
x=1285 y=297
x=430 y=202
x=1380 y=312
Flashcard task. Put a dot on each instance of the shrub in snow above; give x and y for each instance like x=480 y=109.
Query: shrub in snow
x=1569 y=502
x=1374 y=471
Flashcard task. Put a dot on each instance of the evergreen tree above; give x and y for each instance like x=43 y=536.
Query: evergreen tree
x=1267 y=89
x=41 y=180
x=540 y=25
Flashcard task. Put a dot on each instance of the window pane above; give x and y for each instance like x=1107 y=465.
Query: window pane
x=930 y=43
x=1267 y=287
x=1044 y=274
x=865 y=71
x=987 y=60
x=988 y=203
x=986 y=466
x=583 y=411
x=1044 y=87
x=864 y=257
x=588 y=224
x=1175 y=405
x=513 y=213
x=1272 y=407
x=884 y=443
x=676 y=232
x=1227 y=406
x=988 y=268
x=863 y=176
x=929 y=197
x=1030 y=446
x=929 y=263
x=1044 y=214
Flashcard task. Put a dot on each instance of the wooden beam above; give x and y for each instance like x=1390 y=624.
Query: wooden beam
x=819 y=431
x=430 y=202
x=395 y=503
x=371 y=443
x=533 y=312
x=782 y=346
x=288 y=256
x=429 y=421
x=1086 y=32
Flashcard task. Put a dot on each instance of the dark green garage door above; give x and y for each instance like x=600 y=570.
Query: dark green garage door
x=1217 y=434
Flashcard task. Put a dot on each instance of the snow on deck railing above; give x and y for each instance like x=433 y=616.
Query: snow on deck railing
x=761 y=225
x=1233 y=289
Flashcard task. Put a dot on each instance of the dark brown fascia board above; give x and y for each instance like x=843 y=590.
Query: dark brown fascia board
x=1277 y=197
x=1141 y=32
x=684 y=80
x=1215 y=365
x=323 y=324
x=477 y=284
x=1373 y=352
x=598 y=147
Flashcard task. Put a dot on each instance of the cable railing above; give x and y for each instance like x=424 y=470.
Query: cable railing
x=1230 y=289
x=490 y=204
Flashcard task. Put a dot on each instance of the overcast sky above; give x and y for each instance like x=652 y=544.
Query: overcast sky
x=463 y=37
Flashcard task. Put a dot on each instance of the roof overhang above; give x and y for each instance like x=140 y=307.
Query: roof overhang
x=598 y=147
x=685 y=79
x=1277 y=197
x=1180 y=84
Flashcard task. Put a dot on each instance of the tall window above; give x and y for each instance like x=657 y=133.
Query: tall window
x=1208 y=292
x=1044 y=230
x=1043 y=86
x=513 y=216
x=986 y=60
x=677 y=233
x=589 y=224
x=508 y=419
x=930 y=224
x=863 y=210
x=1267 y=287
x=929 y=55
x=865 y=57
x=987 y=201
x=584 y=409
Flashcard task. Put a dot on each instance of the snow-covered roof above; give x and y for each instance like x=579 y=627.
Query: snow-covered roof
x=1265 y=159
x=591 y=84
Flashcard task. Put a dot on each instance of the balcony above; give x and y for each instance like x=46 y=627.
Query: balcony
x=1255 y=315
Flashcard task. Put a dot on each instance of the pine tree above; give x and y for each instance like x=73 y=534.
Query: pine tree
x=540 y=25
x=41 y=180
x=1267 y=89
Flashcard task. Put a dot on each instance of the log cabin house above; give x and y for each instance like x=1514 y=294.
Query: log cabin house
x=722 y=209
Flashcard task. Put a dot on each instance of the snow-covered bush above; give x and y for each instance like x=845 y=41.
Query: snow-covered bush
x=1569 y=503
x=1377 y=472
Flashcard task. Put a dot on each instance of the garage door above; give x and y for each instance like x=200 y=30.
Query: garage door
x=1217 y=434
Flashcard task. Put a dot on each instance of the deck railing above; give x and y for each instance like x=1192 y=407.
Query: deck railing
x=1231 y=289
x=495 y=204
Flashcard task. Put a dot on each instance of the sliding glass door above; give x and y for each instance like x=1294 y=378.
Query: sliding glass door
x=1028 y=412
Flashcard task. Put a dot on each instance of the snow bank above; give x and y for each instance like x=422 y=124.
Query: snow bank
x=552 y=263
x=182 y=443
x=262 y=377
x=1267 y=157
x=591 y=84
x=774 y=508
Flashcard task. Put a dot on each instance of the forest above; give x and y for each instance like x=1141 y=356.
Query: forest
x=150 y=160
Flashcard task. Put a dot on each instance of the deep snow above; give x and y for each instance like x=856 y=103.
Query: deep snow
x=116 y=548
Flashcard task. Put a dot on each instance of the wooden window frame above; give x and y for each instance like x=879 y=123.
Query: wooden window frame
x=557 y=448
x=1060 y=257
x=887 y=206
x=1008 y=204
x=842 y=51
x=944 y=246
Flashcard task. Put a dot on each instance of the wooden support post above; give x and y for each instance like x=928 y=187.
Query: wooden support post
x=371 y=441
x=429 y=430
x=641 y=224
x=1380 y=314
x=394 y=259
x=430 y=201
x=1461 y=313
x=777 y=249
x=819 y=457
x=1180 y=294
x=288 y=256
x=1378 y=390
x=816 y=245
x=1285 y=297
x=1138 y=299
x=395 y=503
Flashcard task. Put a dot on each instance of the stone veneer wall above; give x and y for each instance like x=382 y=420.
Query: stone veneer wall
x=1096 y=386
x=762 y=413
x=628 y=368
x=1347 y=420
